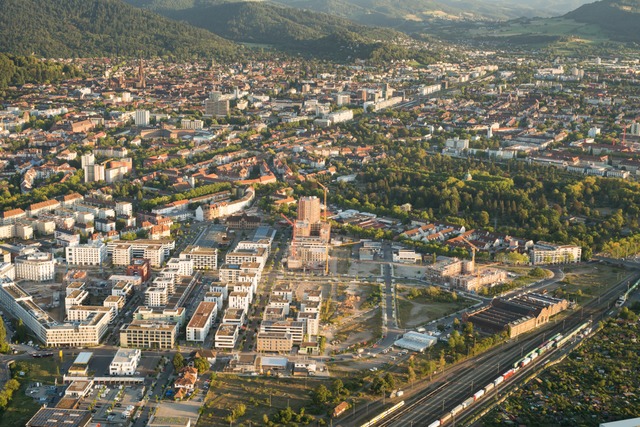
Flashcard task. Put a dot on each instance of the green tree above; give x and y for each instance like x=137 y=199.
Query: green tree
x=201 y=364
x=178 y=361
x=4 y=345
x=321 y=394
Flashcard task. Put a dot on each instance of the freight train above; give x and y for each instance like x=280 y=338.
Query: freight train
x=555 y=341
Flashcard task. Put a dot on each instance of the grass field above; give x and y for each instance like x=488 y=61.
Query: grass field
x=547 y=27
x=420 y=310
x=583 y=282
x=261 y=395
x=22 y=407
x=362 y=328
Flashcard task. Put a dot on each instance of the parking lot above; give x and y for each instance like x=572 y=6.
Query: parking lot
x=113 y=405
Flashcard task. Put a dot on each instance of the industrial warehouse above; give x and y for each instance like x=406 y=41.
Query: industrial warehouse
x=516 y=315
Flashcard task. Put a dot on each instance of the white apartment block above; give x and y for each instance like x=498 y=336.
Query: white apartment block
x=240 y=256
x=182 y=267
x=549 y=253
x=74 y=298
x=87 y=331
x=239 y=300
x=227 y=336
x=115 y=303
x=142 y=118
x=124 y=208
x=155 y=254
x=295 y=328
x=95 y=254
x=214 y=297
x=255 y=244
x=156 y=297
x=7 y=270
x=406 y=256
x=38 y=267
x=122 y=289
x=203 y=258
x=139 y=246
x=201 y=322
x=278 y=301
x=311 y=322
x=223 y=288
x=78 y=313
x=234 y=316
x=148 y=334
x=125 y=362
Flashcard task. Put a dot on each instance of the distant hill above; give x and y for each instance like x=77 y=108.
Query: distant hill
x=282 y=27
x=620 y=19
x=402 y=13
x=77 y=28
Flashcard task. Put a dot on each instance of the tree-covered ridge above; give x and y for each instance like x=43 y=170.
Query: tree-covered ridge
x=18 y=70
x=300 y=31
x=82 y=28
x=619 y=18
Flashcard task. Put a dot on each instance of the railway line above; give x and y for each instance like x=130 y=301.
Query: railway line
x=459 y=389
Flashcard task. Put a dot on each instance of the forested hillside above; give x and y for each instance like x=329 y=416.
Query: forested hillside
x=79 y=28
x=18 y=70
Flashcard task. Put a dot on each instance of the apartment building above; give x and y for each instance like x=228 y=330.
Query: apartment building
x=125 y=362
x=294 y=328
x=156 y=297
x=89 y=254
x=201 y=322
x=169 y=315
x=37 y=267
x=227 y=336
x=274 y=342
x=203 y=258
x=122 y=254
x=148 y=334
x=549 y=253
x=74 y=298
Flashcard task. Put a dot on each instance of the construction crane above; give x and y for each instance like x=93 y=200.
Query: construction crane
x=293 y=237
x=325 y=198
x=474 y=248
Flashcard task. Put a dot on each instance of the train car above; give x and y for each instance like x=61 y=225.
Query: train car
x=478 y=394
x=498 y=381
x=525 y=362
x=555 y=338
x=468 y=402
x=489 y=387
x=509 y=374
x=445 y=418
x=456 y=410
x=434 y=424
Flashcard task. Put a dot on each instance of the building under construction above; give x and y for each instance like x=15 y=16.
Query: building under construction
x=311 y=235
x=463 y=274
x=516 y=315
